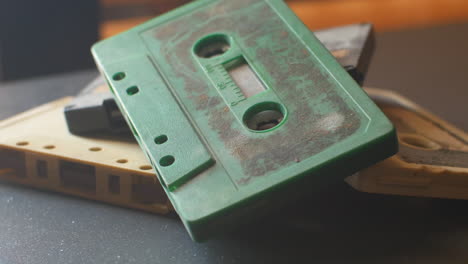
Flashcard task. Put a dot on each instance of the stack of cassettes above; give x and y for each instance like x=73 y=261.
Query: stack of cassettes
x=224 y=111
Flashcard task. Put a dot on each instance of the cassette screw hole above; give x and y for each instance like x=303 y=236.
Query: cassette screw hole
x=119 y=76
x=167 y=161
x=132 y=90
x=95 y=149
x=160 y=140
x=145 y=167
x=22 y=143
x=122 y=161
x=419 y=142
x=212 y=46
x=49 y=147
x=264 y=116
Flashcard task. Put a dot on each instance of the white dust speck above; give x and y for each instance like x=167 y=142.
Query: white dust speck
x=330 y=122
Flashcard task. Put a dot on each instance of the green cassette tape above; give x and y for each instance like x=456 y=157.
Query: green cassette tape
x=240 y=109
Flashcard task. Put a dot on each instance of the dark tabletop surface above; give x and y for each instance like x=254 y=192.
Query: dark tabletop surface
x=338 y=226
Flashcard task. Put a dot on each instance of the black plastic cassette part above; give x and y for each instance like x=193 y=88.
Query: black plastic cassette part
x=352 y=45
x=96 y=112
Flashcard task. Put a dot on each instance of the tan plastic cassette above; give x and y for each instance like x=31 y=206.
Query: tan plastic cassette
x=37 y=150
x=433 y=156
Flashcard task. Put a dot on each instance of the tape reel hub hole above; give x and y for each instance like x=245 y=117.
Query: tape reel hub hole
x=264 y=116
x=212 y=46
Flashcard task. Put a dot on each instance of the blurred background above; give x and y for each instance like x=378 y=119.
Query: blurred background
x=386 y=15
x=52 y=36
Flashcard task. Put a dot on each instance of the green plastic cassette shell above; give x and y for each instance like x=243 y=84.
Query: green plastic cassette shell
x=240 y=109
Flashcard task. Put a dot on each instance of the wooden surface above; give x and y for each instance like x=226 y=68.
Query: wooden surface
x=387 y=15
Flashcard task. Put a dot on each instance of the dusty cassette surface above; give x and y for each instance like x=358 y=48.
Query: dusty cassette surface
x=433 y=156
x=240 y=109
x=352 y=46
x=37 y=150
